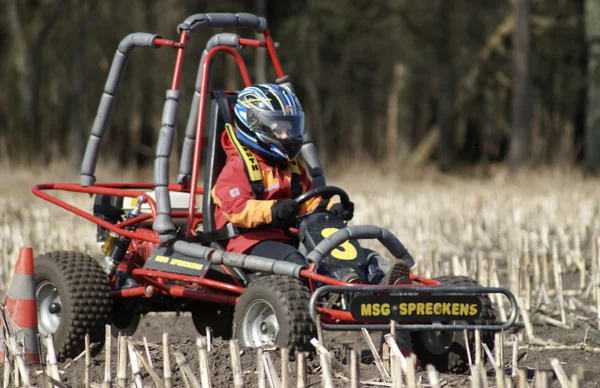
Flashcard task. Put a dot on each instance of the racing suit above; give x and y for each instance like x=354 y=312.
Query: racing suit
x=236 y=203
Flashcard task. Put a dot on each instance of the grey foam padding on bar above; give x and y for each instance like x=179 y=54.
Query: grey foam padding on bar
x=161 y=171
x=286 y=80
x=187 y=157
x=103 y=115
x=163 y=202
x=86 y=180
x=193 y=250
x=115 y=75
x=137 y=39
x=163 y=225
x=169 y=116
x=389 y=241
x=223 y=39
x=88 y=164
x=105 y=108
x=257 y=263
x=165 y=141
x=309 y=153
x=222 y=20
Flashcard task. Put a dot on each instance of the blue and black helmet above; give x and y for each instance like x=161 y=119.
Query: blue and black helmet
x=269 y=119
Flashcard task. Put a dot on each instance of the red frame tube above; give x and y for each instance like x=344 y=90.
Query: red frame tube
x=188 y=279
x=179 y=61
x=200 y=122
x=116 y=189
x=167 y=43
x=182 y=292
x=252 y=42
x=273 y=54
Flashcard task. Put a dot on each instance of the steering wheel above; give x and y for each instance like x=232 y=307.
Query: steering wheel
x=325 y=192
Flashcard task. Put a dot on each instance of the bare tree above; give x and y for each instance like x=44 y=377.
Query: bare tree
x=592 y=127
x=520 y=145
x=27 y=39
x=260 y=56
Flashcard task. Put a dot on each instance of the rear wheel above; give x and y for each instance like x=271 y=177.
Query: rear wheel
x=274 y=310
x=214 y=315
x=446 y=350
x=73 y=299
x=124 y=321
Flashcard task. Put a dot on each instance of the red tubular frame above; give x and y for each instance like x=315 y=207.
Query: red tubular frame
x=200 y=122
x=212 y=290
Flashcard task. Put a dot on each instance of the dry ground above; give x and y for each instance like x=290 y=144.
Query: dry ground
x=451 y=224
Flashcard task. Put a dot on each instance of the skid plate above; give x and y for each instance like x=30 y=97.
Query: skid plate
x=430 y=304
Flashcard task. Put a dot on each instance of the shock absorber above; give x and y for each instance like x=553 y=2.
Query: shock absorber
x=115 y=247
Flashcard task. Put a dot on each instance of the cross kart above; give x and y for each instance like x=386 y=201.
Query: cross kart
x=161 y=253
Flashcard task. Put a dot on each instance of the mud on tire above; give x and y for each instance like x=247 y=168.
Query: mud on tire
x=288 y=298
x=79 y=289
x=453 y=357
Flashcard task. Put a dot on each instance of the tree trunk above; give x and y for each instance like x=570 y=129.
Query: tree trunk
x=446 y=92
x=445 y=114
x=521 y=139
x=592 y=127
x=397 y=136
x=76 y=127
x=260 y=56
x=27 y=41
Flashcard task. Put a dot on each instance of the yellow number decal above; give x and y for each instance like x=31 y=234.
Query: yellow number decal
x=346 y=251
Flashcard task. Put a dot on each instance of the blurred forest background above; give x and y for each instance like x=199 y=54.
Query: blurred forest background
x=403 y=81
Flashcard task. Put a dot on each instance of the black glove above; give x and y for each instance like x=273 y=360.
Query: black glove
x=283 y=213
x=345 y=214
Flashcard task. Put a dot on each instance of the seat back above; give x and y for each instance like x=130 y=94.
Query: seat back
x=215 y=160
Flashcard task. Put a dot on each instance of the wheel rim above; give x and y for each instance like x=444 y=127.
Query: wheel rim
x=259 y=325
x=438 y=342
x=49 y=307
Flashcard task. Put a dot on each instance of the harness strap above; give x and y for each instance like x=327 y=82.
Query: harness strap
x=250 y=163
x=296 y=188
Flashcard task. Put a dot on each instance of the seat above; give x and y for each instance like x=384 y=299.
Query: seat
x=215 y=161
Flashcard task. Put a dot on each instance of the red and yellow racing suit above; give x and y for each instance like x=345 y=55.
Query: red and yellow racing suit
x=236 y=202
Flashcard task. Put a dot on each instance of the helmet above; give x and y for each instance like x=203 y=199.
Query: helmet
x=269 y=119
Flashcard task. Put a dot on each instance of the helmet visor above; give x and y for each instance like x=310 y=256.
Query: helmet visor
x=280 y=126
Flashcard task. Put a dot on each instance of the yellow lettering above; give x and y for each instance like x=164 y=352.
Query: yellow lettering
x=437 y=308
x=455 y=308
x=464 y=309
x=346 y=251
x=411 y=308
x=402 y=308
x=420 y=308
x=429 y=308
x=187 y=264
x=365 y=310
x=162 y=259
x=385 y=309
x=446 y=309
x=473 y=309
x=376 y=309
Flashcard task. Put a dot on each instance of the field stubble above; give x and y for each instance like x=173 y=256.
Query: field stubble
x=534 y=233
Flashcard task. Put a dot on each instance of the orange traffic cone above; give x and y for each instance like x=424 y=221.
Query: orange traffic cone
x=21 y=307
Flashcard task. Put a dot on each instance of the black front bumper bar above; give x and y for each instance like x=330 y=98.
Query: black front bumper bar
x=420 y=290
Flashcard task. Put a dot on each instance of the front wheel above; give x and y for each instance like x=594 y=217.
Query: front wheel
x=446 y=350
x=274 y=311
x=73 y=299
